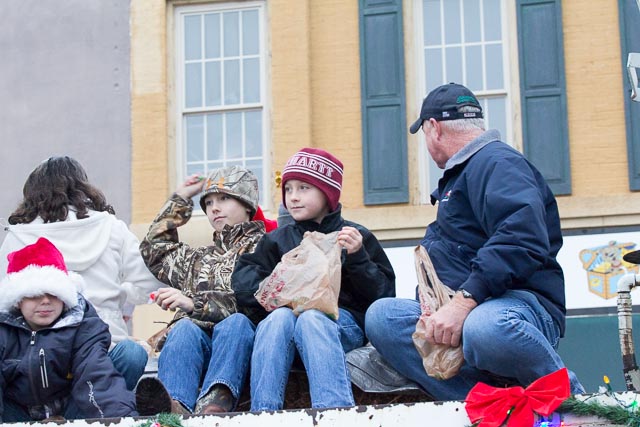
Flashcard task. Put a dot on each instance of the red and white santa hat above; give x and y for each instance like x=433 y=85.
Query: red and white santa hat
x=36 y=270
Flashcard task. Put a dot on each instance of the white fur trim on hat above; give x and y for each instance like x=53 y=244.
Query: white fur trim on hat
x=34 y=281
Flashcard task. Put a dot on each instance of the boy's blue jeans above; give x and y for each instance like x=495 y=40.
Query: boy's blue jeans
x=321 y=343
x=130 y=359
x=512 y=336
x=190 y=357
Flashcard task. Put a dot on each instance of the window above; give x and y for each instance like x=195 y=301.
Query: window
x=220 y=83
x=464 y=41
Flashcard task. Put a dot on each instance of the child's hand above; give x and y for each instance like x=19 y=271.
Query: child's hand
x=350 y=239
x=190 y=187
x=171 y=299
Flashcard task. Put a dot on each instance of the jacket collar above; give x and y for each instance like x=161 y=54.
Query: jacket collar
x=331 y=222
x=472 y=148
x=232 y=234
x=460 y=158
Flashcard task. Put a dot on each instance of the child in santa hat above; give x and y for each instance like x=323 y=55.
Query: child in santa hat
x=53 y=345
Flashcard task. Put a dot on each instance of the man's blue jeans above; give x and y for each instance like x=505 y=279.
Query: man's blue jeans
x=129 y=358
x=512 y=337
x=190 y=357
x=321 y=343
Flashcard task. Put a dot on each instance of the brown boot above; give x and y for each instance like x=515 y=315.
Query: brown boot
x=177 y=408
x=152 y=397
x=218 y=400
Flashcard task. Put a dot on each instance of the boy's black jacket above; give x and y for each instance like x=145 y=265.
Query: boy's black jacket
x=367 y=274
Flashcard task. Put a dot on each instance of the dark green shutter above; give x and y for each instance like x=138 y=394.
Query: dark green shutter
x=384 y=128
x=543 y=95
x=630 y=42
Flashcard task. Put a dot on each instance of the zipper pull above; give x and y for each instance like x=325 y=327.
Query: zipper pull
x=43 y=369
x=33 y=338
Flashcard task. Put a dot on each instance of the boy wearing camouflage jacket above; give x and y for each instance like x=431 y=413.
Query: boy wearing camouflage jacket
x=200 y=280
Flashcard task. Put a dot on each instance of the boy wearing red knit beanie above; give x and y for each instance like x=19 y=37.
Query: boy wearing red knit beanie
x=311 y=186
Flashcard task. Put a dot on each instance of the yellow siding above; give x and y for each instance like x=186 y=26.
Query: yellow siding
x=594 y=94
x=336 y=89
x=149 y=100
x=291 y=112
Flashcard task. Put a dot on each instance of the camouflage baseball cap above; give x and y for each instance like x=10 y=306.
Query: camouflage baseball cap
x=237 y=182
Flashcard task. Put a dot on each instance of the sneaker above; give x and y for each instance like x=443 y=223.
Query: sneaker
x=218 y=400
x=152 y=397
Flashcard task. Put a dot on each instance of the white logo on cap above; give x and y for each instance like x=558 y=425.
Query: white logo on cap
x=445 y=114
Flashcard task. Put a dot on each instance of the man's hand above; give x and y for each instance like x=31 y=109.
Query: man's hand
x=445 y=325
x=190 y=187
x=171 y=299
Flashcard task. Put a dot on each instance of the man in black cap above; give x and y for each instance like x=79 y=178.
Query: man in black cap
x=494 y=241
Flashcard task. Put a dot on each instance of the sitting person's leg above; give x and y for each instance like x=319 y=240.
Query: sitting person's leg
x=231 y=349
x=129 y=358
x=389 y=324
x=182 y=361
x=322 y=344
x=521 y=330
x=273 y=352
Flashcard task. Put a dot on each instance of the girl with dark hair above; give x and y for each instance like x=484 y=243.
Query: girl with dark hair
x=54 y=186
x=60 y=203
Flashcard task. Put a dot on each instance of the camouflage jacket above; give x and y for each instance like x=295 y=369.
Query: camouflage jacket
x=204 y=273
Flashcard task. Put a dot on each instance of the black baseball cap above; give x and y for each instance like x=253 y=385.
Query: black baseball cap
x=443 y=103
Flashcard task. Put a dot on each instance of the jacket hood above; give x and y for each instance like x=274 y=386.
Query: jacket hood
x=81 y=241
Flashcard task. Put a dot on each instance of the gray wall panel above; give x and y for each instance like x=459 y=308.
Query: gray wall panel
x=64 y=86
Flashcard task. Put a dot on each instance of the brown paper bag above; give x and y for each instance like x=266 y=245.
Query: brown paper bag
x=439 y=361
x=307 y=277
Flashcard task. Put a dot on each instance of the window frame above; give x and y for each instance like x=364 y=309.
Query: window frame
x=181 y=111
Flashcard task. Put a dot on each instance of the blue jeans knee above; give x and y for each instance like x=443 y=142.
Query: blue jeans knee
x=129 y=358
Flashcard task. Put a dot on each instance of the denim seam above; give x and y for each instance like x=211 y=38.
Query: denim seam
x=234 y=391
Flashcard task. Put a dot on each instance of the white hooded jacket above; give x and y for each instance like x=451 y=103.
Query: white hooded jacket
x=103 y=251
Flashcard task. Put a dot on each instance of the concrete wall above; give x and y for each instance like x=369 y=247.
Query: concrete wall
x=64 y=86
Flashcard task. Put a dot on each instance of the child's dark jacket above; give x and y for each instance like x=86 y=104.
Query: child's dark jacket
x=367 y=274
x=67 y=360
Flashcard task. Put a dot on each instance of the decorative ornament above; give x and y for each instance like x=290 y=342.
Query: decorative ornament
x=278 y=179
x=491 y=406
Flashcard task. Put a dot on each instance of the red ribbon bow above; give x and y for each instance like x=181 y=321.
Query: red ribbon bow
x=491 y=405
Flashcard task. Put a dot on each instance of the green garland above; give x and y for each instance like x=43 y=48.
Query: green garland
x=615 y=414
x=620 y=415
x=164 y=420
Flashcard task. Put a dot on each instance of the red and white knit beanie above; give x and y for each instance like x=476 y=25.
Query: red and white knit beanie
x=318 y=168
x=36 y=270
